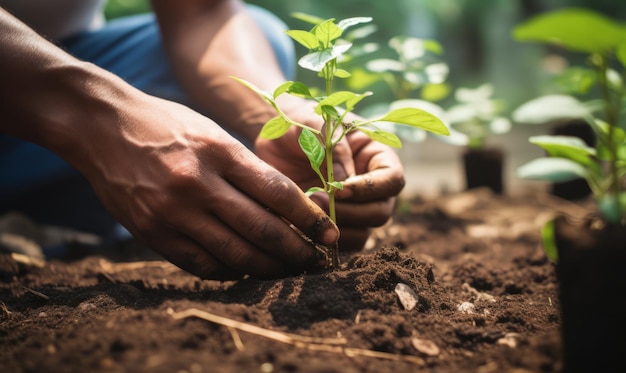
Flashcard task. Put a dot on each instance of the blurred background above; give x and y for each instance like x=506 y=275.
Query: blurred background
x=478 y=48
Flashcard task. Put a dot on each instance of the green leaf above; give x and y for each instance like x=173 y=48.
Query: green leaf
x=383 y=137
x=549 y=241
x=327 y=32
x=341 y=73
x=328 y=110
x=308 y=18
x=345 y=23
x=260 y=92
x=307 y=39
x=555 y=170
x=311 y=146
x=282 y=89
x=316 y=61
x=548 y=108
x=313 y=190
x=274 y=128
x=602 y=129
x=335 y=99
x=336 y=185
x=611 y=209
x=570 y=28
x=577 y=80
x=570 y=147
x=621 y=53
x=300 y=89
x=435 y=92
x=416 y=118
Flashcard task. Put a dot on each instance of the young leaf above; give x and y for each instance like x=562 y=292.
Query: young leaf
x=569 y=147
x=555 y=170
x=549 y=241
x=312 y=190
x=308 y=18
x=336 y=185
x=312 y=148
x=550 y=107
x=565 y=27
x=254 y=88
x=341 y=73
x=300 y=89
x=316 y=61
x=383 y=137
x=274 y=128
x=282 y=89
x=327 y=32
x=307 y=39
x=345 y=23
x=416 y=118
x=335 y=99
x=610 y=208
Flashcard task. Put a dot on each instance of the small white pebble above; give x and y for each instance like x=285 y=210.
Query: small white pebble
x=407 y=296
x=466 y=307
x=267 y=367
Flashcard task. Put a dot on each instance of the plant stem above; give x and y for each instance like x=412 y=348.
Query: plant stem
x=328 y=146
x=612 y=116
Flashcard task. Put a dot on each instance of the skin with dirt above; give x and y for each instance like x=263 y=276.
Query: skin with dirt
x=486 y=300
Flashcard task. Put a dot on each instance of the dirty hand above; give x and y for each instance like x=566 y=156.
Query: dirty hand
x=372 y=174
x=181 y=184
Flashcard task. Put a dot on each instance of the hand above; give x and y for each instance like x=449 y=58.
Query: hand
x=372 y=173
x=181 y=184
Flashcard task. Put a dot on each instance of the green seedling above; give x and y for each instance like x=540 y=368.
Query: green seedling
x=326 y=47
x=476 y=116
x=602 y=83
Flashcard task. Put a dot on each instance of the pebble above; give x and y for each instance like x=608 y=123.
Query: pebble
x=407 y=296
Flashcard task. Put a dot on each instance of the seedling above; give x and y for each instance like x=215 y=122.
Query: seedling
x=602 y=166
x=326 y=47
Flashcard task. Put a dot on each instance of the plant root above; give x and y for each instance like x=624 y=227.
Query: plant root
x=335 y=345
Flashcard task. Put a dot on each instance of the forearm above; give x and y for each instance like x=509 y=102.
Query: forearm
x=208 y=41
x=50 y=98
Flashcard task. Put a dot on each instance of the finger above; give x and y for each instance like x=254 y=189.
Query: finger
x=374 y=185
x=343 y=160
x=353 y=239
x=253 y=230
x=359 y=215
x=233 y=248
x=189 y=256
x=275 y=191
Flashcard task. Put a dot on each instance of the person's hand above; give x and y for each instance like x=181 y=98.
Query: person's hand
x=185 y=187
x=372 y=174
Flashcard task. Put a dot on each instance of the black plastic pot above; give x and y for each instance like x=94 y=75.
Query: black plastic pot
x=592 y=282
x=484 y=168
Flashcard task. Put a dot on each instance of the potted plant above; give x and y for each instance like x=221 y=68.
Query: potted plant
x=417 y=77
x=326 y=47
x=589 y=252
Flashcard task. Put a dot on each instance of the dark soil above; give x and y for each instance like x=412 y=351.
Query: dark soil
x=475 y=249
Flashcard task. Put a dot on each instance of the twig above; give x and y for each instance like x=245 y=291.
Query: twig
x=335 y=345
x=121 y=267
x=41 y=295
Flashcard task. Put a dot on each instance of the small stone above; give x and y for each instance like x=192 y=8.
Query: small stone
x=425 y=346
x=466 y=307
x=407 y=296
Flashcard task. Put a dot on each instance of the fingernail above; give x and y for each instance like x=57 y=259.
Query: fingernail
x=330 y=236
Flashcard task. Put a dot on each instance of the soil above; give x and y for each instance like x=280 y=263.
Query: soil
x=487 y=301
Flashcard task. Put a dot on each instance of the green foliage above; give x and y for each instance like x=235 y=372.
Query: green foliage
x=477 y=115
x=603 y=167
x=325 y=47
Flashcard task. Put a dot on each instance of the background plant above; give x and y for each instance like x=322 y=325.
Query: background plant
x=326 y=47
x=601 y=84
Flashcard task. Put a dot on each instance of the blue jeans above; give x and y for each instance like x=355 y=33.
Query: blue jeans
x=38 y=183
